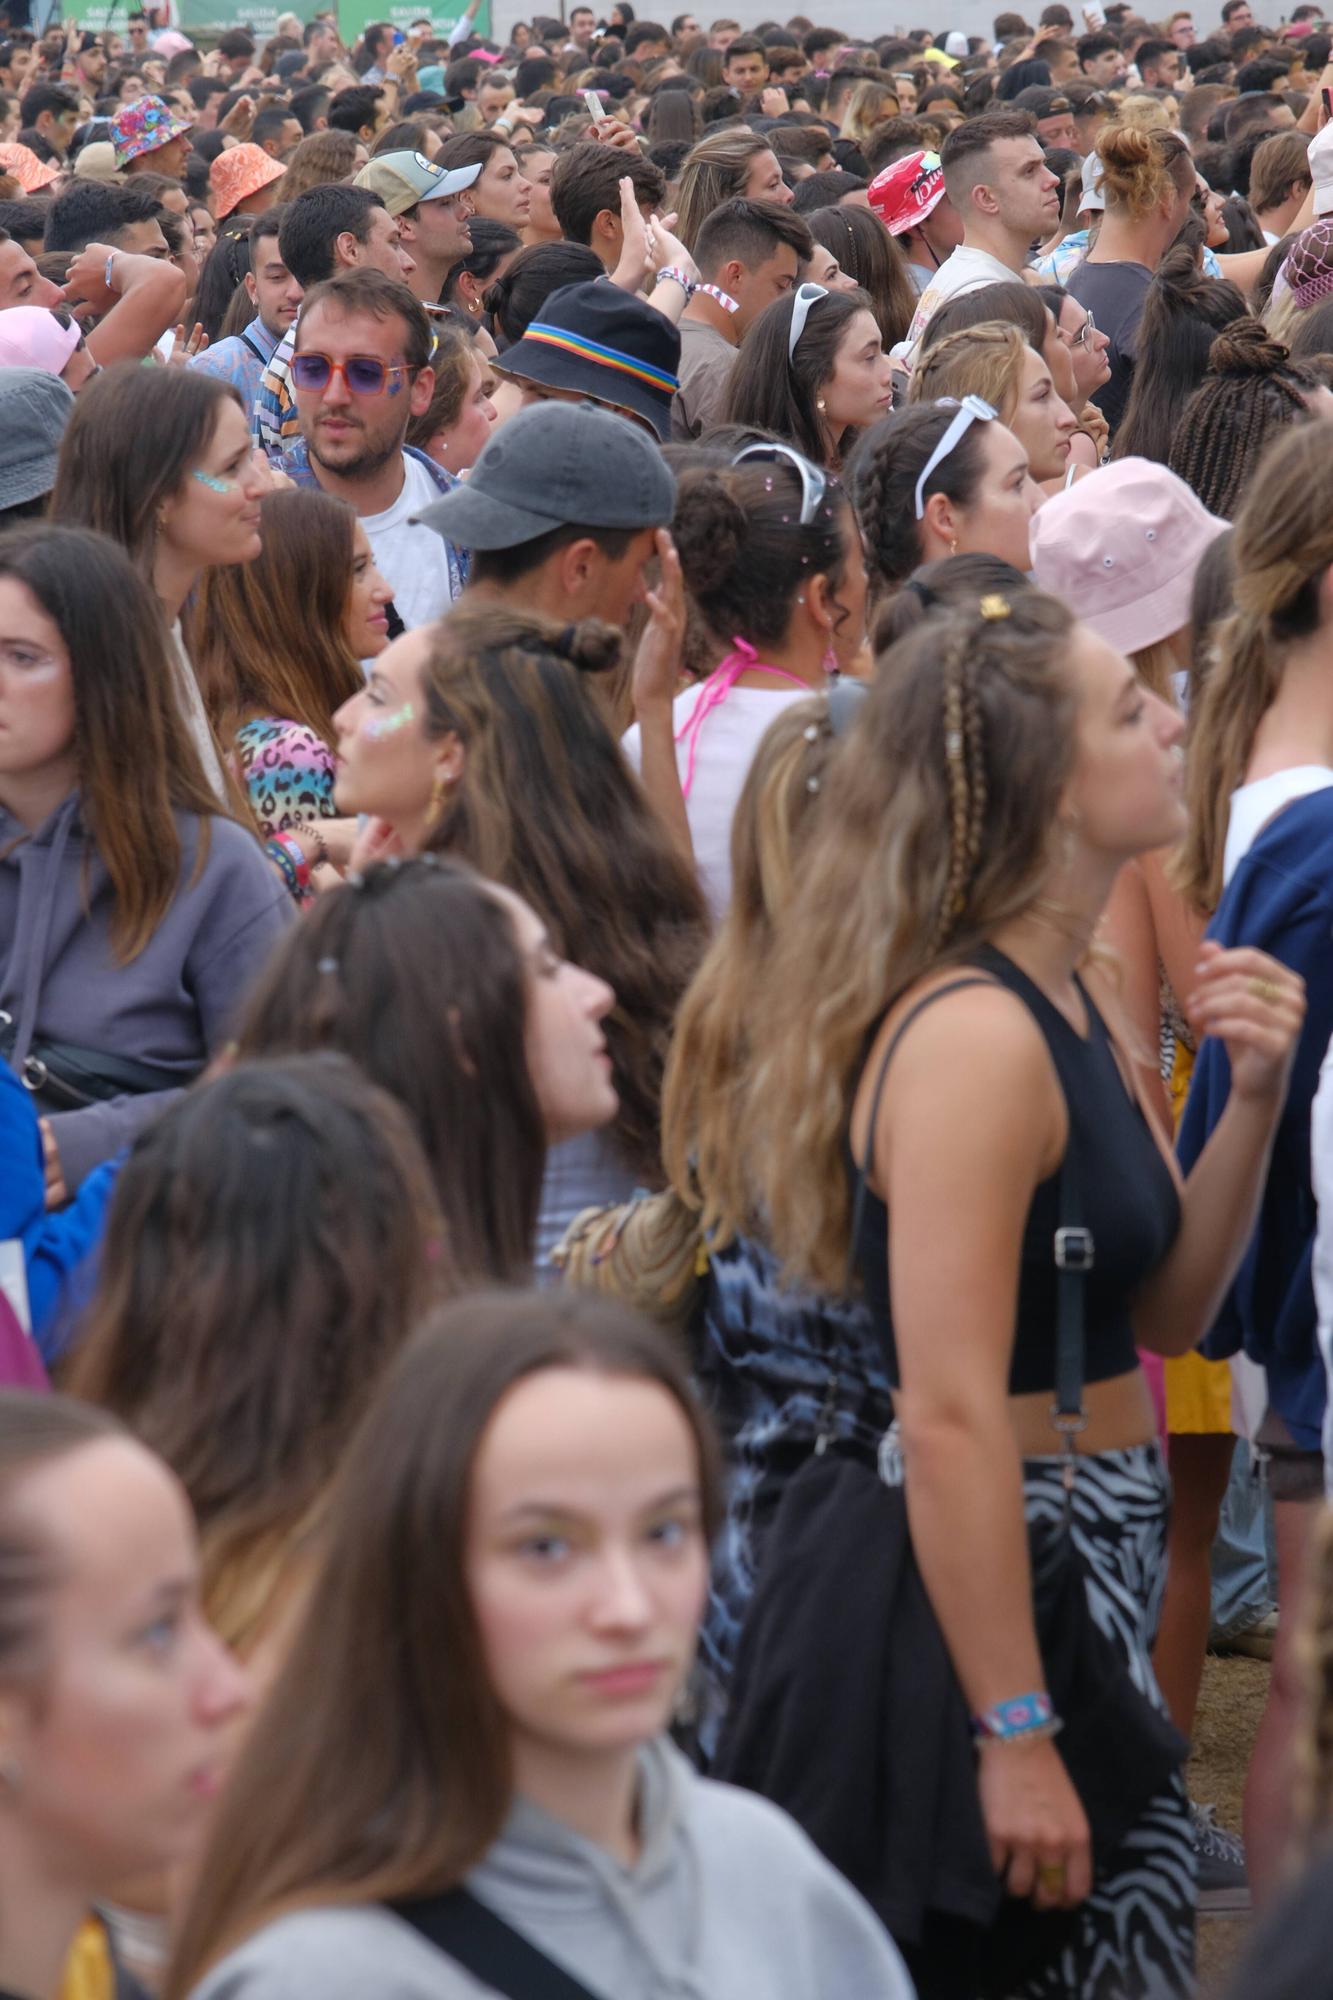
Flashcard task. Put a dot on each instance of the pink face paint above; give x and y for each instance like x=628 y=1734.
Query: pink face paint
x=390 y=724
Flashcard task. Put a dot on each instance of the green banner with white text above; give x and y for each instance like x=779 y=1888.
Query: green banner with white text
x=211 y=18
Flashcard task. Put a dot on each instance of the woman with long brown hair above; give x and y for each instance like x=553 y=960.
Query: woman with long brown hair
x=448 y=993
x=161 y=460
x=513 y=1575
x=1004 y=767
x=132 y=915
x=250 y=1293
x=279 y=645
x=500 y=757
x=1257 y=859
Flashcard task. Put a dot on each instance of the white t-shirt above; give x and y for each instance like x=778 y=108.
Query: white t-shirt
x=724 y=751
x=411 y=560
x=963 y=270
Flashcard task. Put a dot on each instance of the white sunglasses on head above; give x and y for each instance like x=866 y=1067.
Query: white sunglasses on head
x=803 y=298
x=970 y=410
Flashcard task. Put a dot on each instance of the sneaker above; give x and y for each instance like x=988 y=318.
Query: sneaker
x=1255 y=1641
x=1219 y=1859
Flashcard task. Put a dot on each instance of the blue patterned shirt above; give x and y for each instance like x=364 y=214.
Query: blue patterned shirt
x=240 y=359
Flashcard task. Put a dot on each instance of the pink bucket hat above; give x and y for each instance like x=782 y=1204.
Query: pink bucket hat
x=30 y=172
x=32 y=337
x=240 y=171
x=143 y=126
x=1120 y=548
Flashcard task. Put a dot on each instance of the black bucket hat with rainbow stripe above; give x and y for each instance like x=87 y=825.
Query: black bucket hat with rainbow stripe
x=595 y=340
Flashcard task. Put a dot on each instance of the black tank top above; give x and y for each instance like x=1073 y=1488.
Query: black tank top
x=1126 y=1197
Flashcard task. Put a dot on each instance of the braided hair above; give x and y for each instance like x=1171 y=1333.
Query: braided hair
x=1253 y=390
x=881 y=479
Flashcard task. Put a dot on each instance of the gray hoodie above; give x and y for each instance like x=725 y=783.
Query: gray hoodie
x=170 y=1008
x=727 y=1901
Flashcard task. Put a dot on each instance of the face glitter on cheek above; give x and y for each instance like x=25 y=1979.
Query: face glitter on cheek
x=215 y=485
x=389 y=725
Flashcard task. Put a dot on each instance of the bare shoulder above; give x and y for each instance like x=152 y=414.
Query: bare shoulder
x=972 y=1061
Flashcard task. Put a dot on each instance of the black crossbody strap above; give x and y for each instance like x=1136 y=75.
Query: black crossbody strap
x=471 y=1933
x=1073 y=1260
x=868 y=1153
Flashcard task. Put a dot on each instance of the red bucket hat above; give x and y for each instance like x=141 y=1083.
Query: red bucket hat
x=907 y=192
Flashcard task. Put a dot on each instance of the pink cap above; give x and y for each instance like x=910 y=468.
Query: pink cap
x=240 y=171
x=32 y=337
x=1121 y=547
x=907 y=192
x=30 y=172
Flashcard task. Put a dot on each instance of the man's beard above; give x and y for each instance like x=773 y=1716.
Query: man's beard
x=365 y=465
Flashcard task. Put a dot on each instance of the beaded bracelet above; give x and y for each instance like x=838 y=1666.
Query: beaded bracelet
x=1018 y=1720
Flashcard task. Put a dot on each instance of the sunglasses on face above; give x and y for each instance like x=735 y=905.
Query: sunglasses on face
x=362 y=374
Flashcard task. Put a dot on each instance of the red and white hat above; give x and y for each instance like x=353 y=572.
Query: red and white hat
x=907 y=192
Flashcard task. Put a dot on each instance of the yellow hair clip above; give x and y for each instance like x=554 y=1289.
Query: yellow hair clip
x=994 y=607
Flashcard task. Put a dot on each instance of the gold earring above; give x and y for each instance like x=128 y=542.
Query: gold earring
x=953 y=546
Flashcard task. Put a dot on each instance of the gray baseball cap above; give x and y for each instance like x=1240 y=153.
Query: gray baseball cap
x=34 y=409
x=557 y=465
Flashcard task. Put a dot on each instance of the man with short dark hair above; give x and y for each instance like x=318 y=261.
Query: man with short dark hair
x=360 y=372
x=310 y=107
x=236 y=51
x=1161 y=65
x=1237 y=14
x=89 y=68
x=745 y=65
x=1101 y=59
x=1258 y=108
x=748 y=253
x=94 y=212
x=275 y=131
x=646 y=40
x=1008 y=198
x=360 y=110
x=585 y=195
x=327 y=230
x=21 y=283
x=582 y=27
x=241 y=358
x=321 y=41
x=52 y=112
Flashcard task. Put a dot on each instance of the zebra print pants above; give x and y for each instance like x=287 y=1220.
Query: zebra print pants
x=1136 y=1937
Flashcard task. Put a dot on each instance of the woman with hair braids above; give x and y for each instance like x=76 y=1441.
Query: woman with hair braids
x=481 y=738
x=926 y=484
x=1182 y=314
x=448 y=993
x=1033 y=744
x=995 y=363
x=771 y=557
x=513 y=1575
x=1252 y=392
x=812 y=370
x=721 y=166
x=1258 y=858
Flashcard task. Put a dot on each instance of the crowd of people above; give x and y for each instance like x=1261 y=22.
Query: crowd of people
x=666 y=988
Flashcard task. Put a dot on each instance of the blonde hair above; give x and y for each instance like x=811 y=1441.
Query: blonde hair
x=1142 y=167
x=1144 y=114
x=868 y=106
x=934 y=828
x=711 y=1048
x=1282 y=545
x=985 y=360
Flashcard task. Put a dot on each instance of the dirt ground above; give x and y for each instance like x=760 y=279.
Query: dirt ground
x=1230 y=1705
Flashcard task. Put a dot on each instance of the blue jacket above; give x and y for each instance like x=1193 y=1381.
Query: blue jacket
x=54 y=1246
x=1280 y=900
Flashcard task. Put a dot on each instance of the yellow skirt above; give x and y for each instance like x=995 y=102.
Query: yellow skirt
x=1198 y=1391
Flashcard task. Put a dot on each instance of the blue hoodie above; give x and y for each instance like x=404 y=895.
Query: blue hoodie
x=55 y=1246
x=1280 y=900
